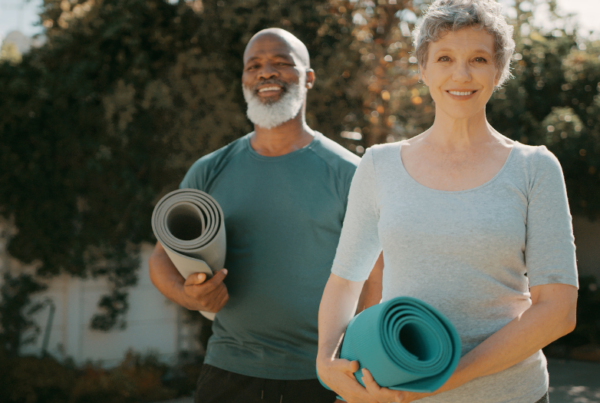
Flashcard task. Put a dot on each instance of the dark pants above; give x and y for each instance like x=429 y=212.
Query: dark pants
x=216 y=385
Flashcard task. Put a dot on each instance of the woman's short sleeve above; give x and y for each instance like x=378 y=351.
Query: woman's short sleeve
x=550 y=248
x=359 y=244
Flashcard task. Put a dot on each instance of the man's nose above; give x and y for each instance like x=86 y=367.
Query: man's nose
x=267 y=71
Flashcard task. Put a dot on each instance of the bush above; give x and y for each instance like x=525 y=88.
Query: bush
x=138 y=378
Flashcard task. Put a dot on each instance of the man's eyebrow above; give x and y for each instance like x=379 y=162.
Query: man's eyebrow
x=277 y=56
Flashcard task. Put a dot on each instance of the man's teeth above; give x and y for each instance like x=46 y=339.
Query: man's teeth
x=461 y=93
x=269 y=89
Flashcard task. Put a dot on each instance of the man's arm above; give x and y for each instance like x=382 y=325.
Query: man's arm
x=194 y=293
x=371 y=292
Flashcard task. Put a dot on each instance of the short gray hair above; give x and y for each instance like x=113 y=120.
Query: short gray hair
x=453 y=15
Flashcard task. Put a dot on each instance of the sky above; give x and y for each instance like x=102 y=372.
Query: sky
x=22 y=15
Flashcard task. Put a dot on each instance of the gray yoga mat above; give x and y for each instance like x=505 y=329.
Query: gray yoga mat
x=405 y=343
x=189 y=224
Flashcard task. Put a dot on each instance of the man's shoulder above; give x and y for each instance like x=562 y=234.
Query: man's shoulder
x=335 y=155
x=210 y=165
x=221 y=155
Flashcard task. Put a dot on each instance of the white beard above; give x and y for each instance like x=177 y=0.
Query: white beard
x=273 y=114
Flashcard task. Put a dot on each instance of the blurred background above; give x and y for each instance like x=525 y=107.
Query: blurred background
x=104 y=104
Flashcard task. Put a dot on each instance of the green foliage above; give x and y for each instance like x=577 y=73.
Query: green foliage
x=125 y=95
x=554 y=101
x=15 y=312
x=138 y=378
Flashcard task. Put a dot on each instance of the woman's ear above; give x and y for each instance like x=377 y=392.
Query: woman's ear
x=423 y=75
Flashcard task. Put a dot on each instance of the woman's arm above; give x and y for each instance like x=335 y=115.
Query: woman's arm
x=337 y=308
x=371 y=291
x=551 y=316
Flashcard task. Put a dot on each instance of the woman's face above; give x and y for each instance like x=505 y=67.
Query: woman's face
x=460 y=72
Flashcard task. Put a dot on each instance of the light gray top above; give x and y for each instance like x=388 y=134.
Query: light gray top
x=472 y=254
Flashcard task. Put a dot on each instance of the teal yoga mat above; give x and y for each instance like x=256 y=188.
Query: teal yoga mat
x=405 y=343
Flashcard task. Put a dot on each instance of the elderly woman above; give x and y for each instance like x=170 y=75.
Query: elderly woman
x=471 y=222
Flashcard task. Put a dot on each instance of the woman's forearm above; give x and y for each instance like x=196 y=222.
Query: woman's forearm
x=338 y=305
x=551 y=316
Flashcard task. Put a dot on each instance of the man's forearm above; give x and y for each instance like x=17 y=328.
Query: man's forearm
x=166 y=278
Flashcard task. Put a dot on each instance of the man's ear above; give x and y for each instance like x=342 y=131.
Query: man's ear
x=310 y=78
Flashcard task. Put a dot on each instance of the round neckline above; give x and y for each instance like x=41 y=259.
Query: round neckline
x=493 y=179
x=292 y=154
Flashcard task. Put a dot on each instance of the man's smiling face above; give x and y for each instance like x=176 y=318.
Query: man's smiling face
x=276 y=77
x=270 y=66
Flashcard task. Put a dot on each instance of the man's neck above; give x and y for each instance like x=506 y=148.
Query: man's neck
x=283 y=139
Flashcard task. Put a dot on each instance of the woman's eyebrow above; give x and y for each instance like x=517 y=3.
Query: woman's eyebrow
x=449 y=50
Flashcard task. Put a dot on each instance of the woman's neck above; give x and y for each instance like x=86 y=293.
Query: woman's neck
x=459 y=134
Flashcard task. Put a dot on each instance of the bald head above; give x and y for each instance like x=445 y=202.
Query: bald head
x=283 y=37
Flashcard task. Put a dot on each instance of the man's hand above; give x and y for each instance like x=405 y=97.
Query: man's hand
x=206 y=295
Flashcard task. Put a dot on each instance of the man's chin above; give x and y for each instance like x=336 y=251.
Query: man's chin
x=269 y=100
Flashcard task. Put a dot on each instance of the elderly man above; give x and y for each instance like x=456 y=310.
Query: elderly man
x=283 y=189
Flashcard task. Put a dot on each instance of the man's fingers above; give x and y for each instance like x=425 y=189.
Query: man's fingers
x=195 y=279
x=216 y=280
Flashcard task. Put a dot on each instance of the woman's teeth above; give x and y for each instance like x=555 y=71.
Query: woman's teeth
x=461 y=93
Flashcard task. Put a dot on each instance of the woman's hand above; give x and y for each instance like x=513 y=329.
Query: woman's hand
x=385 y=395
x=338 y=374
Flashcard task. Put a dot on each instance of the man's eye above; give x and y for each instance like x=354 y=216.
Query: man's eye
x=251 y=67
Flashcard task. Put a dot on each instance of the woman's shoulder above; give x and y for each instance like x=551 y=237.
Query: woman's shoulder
x=536 y=161
x=384 y=150
x=535 y=155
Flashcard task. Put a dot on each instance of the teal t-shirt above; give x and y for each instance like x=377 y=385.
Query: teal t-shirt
x=283 y=218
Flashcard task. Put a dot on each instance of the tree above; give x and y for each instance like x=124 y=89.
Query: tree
x=106 y=117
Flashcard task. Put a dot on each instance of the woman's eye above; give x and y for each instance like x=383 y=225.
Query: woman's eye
x=444 y=59
x=481 y=60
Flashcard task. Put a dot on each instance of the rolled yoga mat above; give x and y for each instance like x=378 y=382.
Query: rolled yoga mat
x=405 y=343
x=189 y=224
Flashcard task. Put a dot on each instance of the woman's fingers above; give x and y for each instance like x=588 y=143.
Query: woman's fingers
x=338 y=374
x=377 y=392
x=345 y=366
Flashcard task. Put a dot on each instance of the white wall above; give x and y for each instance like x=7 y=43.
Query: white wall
x=153 y=322
x=587 y=241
